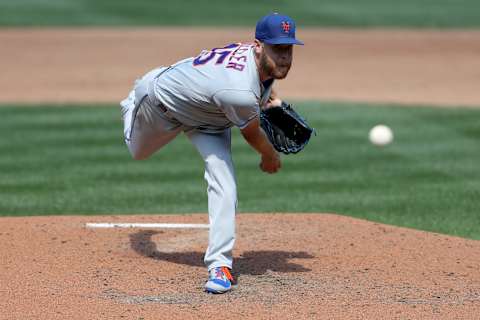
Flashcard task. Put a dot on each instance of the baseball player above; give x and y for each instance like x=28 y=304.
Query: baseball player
x=204 y=97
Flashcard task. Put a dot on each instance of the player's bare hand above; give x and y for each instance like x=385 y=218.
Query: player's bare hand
x=276 y=102
x=271 y=163
x=273 y=100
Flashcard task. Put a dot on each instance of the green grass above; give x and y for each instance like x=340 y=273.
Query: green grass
x=353 y=13
x=72 y=160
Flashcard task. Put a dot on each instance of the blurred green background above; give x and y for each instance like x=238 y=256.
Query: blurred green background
x=72 y=160
x=351 y=13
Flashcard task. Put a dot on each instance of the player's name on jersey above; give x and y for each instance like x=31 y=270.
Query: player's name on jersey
x=237 y=54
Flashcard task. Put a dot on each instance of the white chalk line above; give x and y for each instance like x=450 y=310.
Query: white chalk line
x=149 y=225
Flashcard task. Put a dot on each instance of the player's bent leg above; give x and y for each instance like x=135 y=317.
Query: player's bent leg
x=149 y=129
x=215 y=149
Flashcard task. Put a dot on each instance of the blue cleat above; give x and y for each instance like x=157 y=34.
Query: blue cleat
x=219 y=281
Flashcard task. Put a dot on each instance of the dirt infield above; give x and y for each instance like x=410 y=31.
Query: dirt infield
x=288 y=266
x=90 y=65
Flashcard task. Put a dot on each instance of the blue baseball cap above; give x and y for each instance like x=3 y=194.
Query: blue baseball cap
x=276 y=28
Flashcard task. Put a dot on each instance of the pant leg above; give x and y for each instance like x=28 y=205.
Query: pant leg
x=147 y=127
x=215 y=150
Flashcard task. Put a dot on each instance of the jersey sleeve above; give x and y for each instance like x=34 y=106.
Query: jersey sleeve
x=239 y=106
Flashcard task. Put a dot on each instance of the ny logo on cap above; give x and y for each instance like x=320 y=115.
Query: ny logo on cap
x=286 y=26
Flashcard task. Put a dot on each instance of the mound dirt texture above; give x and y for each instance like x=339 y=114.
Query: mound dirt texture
x=288 y=266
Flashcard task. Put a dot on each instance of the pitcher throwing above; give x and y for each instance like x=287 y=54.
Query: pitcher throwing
x=204 y=97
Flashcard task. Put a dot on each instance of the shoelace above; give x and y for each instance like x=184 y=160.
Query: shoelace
x=227 y=273
x=223 y=271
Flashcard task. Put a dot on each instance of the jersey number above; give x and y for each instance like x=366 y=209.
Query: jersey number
x=220 y=53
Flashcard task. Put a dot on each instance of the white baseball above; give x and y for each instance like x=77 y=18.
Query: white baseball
x=380 y=135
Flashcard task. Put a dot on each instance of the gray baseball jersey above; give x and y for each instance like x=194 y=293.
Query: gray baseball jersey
x=203 y=97
x=213 y=91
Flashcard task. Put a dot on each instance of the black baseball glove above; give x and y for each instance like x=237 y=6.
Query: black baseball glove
x=287 y=130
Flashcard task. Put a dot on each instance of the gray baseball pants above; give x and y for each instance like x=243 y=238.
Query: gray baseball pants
x=149 y=127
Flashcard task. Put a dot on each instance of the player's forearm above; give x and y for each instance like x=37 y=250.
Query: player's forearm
x=261 y=144
x=256 y=138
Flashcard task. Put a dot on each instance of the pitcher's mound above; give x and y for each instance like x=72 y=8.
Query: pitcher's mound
x=288 y=266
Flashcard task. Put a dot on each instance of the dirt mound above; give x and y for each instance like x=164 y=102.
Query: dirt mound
x=288 y=266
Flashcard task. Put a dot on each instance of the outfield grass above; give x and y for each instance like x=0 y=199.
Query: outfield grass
x=72 y=160
x=352 y=13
